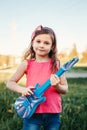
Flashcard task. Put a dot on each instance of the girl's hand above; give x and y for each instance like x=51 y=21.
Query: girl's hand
x=54 y=80
x=27 y=91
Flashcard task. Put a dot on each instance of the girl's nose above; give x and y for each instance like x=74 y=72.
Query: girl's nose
x=41 y=44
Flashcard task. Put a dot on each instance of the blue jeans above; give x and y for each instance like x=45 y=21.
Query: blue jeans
x=47 y=121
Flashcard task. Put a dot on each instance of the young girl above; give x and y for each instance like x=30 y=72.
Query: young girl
x=39 y=65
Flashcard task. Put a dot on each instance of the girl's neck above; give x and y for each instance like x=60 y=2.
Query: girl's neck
x=42 y=59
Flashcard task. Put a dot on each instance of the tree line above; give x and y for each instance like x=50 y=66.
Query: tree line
x=11 y=61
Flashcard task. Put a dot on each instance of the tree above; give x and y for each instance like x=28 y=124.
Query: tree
x=84 y=56
x=73 y=52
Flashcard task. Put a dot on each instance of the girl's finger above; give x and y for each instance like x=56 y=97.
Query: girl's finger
x=30 y=91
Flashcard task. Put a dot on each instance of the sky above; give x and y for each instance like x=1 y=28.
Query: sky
x=19 y=18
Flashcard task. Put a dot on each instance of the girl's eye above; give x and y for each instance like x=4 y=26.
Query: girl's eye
x=47 y=43
x=38 y=41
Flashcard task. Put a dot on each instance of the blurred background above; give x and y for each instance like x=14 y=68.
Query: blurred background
x=68 y=18
x=19 y=18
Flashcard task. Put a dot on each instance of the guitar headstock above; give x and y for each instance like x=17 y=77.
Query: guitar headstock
x=68 y=65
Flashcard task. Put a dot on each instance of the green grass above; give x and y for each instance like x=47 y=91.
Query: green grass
x=73 y=116
x=77 y=69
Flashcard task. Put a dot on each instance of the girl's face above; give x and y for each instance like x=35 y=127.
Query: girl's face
x=42 y=45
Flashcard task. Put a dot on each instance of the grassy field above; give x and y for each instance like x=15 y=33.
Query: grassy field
x=73 y=116
x=80 y=69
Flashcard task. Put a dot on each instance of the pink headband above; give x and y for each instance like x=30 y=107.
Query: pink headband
x=37 y=29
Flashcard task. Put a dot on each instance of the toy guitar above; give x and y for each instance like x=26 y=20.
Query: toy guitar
x=26 y=105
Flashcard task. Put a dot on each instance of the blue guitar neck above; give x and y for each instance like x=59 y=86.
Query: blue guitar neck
x=39 y=91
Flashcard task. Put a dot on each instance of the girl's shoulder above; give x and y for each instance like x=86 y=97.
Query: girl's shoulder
x=23 y=64
x=28 y=61
x=22 y=67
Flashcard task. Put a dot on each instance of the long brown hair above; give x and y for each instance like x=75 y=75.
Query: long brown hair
x=30 y=54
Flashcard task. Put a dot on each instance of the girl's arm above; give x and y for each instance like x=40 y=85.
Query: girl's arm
x=12 y=82
x=59 y=83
